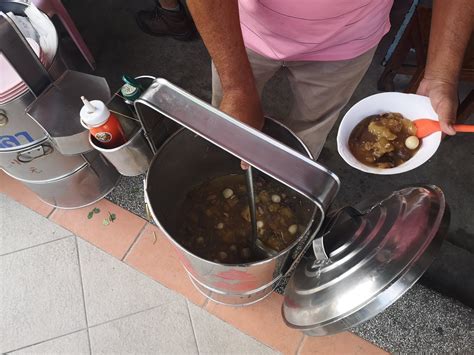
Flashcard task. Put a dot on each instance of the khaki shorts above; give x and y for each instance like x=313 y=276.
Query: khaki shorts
x=320 y=89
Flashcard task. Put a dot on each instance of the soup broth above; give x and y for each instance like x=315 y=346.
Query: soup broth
x=216 y=218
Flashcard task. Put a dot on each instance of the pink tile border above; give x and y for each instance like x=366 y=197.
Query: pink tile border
x=342 y=343
x=114 y=238
x=262 y=321
x=156 y=257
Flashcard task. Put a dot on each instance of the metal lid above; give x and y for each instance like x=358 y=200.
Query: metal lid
x=374 y=258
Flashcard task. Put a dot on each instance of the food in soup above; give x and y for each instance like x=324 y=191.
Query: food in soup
x=384 y=141
x=216 y=218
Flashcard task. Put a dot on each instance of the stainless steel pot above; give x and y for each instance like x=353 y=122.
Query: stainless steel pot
x=356 y=266
x=186 y=160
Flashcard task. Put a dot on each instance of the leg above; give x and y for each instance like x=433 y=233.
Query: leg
x=321 y=90
x=263 y=69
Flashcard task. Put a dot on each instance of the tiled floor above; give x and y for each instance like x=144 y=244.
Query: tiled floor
x=116 y=237
x=61 y=294
x=86 y=287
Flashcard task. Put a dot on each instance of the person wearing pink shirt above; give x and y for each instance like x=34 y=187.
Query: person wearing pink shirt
x=327 y=47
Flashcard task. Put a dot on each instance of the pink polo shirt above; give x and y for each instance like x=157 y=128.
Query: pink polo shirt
x=320 y=30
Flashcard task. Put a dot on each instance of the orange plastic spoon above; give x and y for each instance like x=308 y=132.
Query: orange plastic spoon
x=425 y=127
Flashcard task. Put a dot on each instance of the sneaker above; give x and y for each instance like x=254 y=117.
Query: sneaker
x=162 y=22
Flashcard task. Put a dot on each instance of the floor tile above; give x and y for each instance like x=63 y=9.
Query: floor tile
x=262 y=321
x=343 y=343
x=215 y=336
x=112 y=289
x=157 y=258
x=22 y=228
x=19 y=192
x=115 y=238
x=71 y=344
x=41 y=296
x=163 y=330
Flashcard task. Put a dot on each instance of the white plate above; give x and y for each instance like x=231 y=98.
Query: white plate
x=410 y=106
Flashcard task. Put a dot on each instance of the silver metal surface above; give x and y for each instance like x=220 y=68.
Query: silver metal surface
x=90 y=183
x=242 y=284
x=259 y=150
x=3 y=118
x=374 y=258
x=57 y=109
x=39 y=162
x=74 y=144
x=20 y=130
x=130 y=159
x=186 y=160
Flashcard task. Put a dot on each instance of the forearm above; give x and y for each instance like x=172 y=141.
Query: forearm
x=451 y=27
x=219 y=25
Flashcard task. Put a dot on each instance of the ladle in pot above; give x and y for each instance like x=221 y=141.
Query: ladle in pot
x=258 y=247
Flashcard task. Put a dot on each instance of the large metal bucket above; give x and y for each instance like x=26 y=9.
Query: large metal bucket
x=186 y=160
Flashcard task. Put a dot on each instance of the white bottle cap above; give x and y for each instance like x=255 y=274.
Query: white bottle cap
x=93 y=113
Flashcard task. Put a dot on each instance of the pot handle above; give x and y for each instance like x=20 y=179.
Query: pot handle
x=246 y=143
x=317 y=241
x=27 y=156
x=319 y=249
x=313 y=232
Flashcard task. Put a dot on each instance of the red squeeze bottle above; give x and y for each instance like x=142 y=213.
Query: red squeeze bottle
x=103 y=125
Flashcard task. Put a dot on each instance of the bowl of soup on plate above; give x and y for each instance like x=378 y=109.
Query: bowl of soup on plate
x=377 y=134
